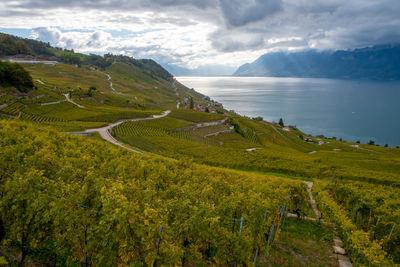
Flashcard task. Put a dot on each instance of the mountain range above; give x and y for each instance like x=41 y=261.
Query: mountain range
x=373 y=63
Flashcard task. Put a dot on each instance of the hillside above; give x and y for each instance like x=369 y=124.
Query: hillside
x=376 y=63
x=162 y=175
x=71 y=96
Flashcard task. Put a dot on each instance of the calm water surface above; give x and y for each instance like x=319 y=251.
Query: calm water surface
x=353 y=110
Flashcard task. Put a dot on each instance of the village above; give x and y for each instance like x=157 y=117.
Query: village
x=211 y=107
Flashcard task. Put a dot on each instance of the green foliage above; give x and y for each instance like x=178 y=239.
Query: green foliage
x=99 y=205
x=13 y=74
x=90 y=91
x=258 y=118
x=191 y=103
x=281 y=122
x=71 y=58
x=12 y=109
x=357 y=243
x=236 y=126
x=3 y=261
x=373 y=208
x=194 y=116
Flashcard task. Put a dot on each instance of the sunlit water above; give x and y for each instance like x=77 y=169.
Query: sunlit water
x=352 y=110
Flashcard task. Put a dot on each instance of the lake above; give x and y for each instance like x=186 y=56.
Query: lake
x=352 y=110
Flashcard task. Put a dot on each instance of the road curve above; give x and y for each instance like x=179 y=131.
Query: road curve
x=105 y=132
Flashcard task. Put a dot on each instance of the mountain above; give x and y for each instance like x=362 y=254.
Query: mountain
x=375 y=63
x=13 y=46
x=207 y=70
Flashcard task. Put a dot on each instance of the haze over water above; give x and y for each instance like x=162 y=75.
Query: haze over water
x=352 y=110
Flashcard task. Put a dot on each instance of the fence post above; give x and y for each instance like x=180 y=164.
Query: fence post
x=284 y=215
x=158 y=245
x=258 y=247
x=240 y=231
x=391 y=231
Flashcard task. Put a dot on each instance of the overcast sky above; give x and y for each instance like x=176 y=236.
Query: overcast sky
x=193 y=33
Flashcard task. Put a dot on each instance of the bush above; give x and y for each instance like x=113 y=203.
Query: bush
x=13 y=74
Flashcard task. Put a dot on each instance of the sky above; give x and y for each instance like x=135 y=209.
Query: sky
x=198 y=33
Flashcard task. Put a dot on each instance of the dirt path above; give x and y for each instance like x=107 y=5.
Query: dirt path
x=39 y=81
x=111 y=84
x=340 y=253
x=105 y=132
x=200 y=125
x=53 y=103
x=72 y=101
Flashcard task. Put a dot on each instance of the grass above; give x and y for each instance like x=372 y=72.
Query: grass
x=302 y=243
x=195 y=116
x=278 y=151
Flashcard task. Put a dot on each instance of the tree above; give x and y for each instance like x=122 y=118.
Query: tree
x=191 y=103
x=258 y=118
x=13 y=74
x=281 y=122
x=25 y=211
x=386 y=145
x=91 y=89
x=371 y=142
x=22 y=47
x=207 y=109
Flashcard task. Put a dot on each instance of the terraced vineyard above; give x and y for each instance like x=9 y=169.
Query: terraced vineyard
x=37 y=118
x=198 y=214
x=12 y=109
x=194 y=116
x=371 y=208
x=218 y=195
x=5 y=98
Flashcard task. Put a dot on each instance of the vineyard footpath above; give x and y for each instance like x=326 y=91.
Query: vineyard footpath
x=78 y=201
x=105 y=132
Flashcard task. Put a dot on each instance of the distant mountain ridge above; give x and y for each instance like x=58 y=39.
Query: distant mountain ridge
x=13 y=46
x=374 y=63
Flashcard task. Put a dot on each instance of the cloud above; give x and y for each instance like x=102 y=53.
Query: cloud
x=241 y=12
x=83 y=41
x=192 y=33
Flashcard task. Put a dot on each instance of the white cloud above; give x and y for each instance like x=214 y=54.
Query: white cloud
x=192 y=33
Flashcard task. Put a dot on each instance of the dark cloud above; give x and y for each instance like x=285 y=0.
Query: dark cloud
x=231 y=41
x=228 y=25
x=241 y=12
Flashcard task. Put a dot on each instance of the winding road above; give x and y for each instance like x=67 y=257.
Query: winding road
x=72 y=101
x=105 y=132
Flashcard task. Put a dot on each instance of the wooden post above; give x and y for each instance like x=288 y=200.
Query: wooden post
x=240 y=231
x=258 y=247
x=391 y=231
x=158 y=245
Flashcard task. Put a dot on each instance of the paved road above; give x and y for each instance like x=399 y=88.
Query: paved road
x=105 y=132
x=72 y=101
x=21 y=61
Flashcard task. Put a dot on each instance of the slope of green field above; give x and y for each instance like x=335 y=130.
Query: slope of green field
x=103 y=206
x=84 y=201
x=138 y=94
x=268 y=148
